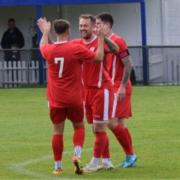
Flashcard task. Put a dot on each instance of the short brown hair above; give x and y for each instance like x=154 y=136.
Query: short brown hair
x=61 y=25
x=88 y=16
x=106 y=17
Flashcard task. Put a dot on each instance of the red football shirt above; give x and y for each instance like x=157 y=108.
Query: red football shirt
x=94 y=73
x=114 y=64
x=64 y=88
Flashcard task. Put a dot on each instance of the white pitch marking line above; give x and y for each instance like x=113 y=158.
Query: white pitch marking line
x=21 y=167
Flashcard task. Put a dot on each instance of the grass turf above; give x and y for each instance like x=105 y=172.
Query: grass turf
x=25 y=137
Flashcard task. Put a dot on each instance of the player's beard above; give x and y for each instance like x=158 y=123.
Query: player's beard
x=86 y=36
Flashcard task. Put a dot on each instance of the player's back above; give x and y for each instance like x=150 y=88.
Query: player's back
x=64 y=74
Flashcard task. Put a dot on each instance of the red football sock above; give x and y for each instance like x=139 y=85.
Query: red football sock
x=57 y=146
x=123 y=138
x=106 y=153
x=99 y=143
x=129 y=136
x=78 y=137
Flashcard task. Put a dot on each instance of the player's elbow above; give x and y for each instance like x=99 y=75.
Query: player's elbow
x=115 y=50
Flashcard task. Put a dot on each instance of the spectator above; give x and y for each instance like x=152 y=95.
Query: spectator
x=12 y=39
x=35 y=44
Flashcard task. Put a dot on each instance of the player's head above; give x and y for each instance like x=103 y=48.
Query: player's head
x=105 y=19
x=86 y=25
x=11 y=23
x=61 y=26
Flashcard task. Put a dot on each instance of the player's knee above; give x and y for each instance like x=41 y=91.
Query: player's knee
x=58 y=128
x=78 y=125
x=99 y=127
x=121 y=121
x=112 y=123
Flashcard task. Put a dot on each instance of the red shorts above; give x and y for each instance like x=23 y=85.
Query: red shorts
x=58 y=115
x=122 y=109
x=98 y=104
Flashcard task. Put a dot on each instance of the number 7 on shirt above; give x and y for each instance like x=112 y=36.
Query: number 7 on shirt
x=61 y=64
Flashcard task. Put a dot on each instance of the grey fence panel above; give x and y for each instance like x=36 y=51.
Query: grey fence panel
x=136 y=56
x=164 y=64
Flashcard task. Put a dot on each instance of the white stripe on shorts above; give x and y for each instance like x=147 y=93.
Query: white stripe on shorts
x=114 y=105
x=100 y=122
x=106 y=105
x=100 y=75
x=113 y=70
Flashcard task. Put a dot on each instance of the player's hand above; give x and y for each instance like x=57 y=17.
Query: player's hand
x=121 y=93
x=100 y=30
x=105 y=29
x=44 y=25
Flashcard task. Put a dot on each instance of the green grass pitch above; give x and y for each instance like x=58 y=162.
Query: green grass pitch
x=25 y=137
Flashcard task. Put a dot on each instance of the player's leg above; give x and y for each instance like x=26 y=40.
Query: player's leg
x=123 y=109
x=58 y=117
x=121 y=135
x=102 y=106
x=76 y=115
x=106 y=159
x=78 y=138
x=94 y=163
x=122 y=121
x=100 y=141
x=124 y=113
x=131 y=158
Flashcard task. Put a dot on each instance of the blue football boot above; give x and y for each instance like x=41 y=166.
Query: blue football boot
x=130 y=161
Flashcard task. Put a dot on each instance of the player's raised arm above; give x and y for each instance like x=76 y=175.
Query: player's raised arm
x=45 y=27
x=112 y=46
x=100 y=50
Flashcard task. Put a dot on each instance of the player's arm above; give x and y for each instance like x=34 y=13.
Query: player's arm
x=112 y=46
x=126 y=76
x=100 y=50
x=127 y=70
x=45 y=27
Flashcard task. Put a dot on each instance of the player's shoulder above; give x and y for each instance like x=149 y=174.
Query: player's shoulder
x=75 y=46
x=46 y=47
x=77 y=40
x=46 y=50
x=119 y=40
x=117 y=37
